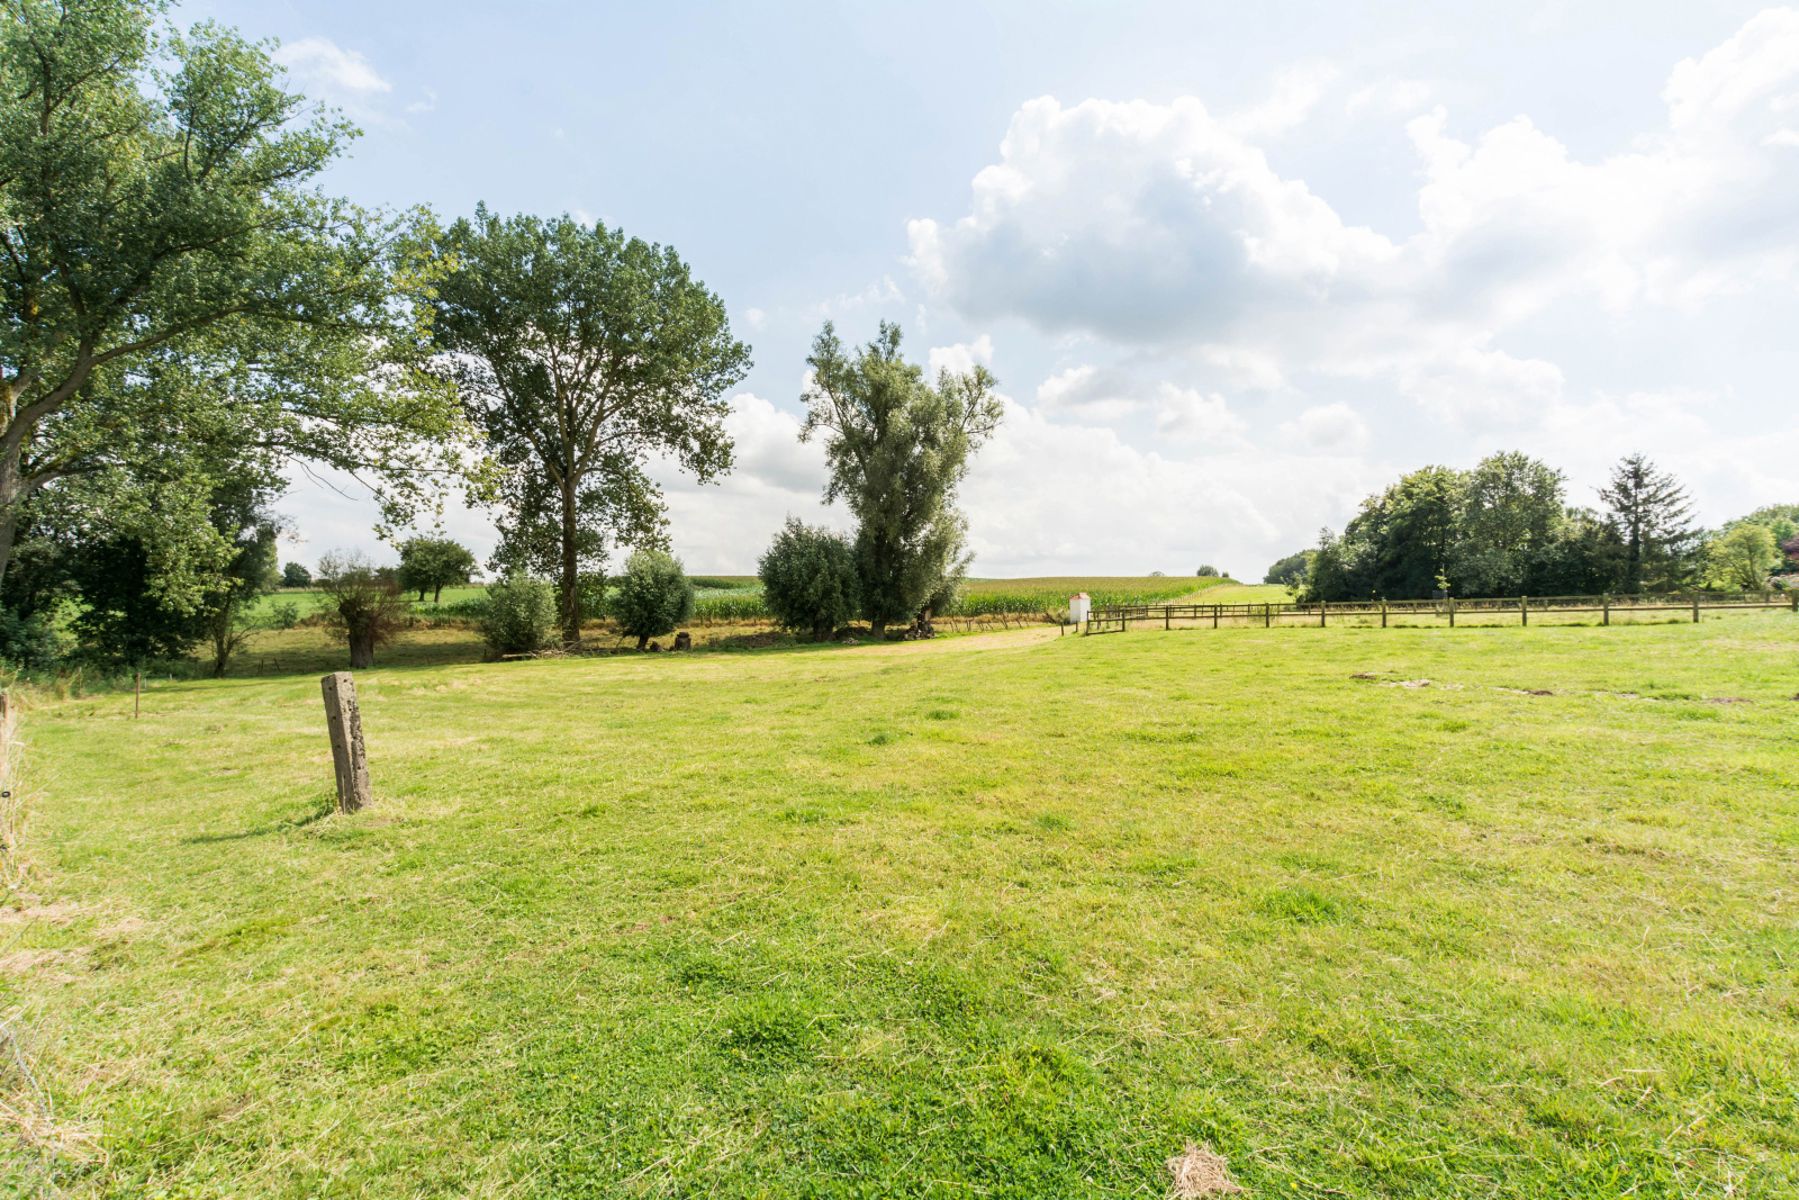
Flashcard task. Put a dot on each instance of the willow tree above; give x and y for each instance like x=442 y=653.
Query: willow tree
x=581 y=354
x=898 y=446
x=167 y=262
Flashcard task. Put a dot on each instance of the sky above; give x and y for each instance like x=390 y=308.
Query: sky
x=1234 y=265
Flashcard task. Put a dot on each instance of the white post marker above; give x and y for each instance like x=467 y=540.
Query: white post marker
x=1079 y=608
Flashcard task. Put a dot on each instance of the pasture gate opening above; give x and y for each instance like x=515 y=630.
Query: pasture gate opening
x=1117 y=618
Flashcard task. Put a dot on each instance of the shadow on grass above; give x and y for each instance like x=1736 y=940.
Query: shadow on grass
x=325 y=809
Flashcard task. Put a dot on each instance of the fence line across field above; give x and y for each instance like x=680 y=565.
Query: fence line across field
x=1116 y=618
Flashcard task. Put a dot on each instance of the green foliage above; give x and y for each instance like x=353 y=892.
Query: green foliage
x=518 y=614
x=1290 y=571
x=249 y=529
x=1207 y=571
x=652 y=597
x=1510 y=510
x=429 y=564
x=30 y=644
x=296 y=575
x=363 y=602
x=897 y=448
x=1741 y=559
x=809 y=579
x=579 y=354
x=1502 y=529
x=1653 y=518
x=1781 y=521
x=122 y=620
x=176 y=282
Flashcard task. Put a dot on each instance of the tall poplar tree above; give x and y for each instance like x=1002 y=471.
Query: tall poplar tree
x=898 y=447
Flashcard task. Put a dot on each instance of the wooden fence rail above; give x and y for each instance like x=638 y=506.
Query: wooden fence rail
x=1116 y=618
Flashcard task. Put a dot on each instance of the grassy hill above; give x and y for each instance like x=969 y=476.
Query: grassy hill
x=1403 y=913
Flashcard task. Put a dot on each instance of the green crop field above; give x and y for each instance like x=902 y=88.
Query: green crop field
x=1489 y=912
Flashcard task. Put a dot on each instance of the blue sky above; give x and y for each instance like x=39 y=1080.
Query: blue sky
x=1234 y=265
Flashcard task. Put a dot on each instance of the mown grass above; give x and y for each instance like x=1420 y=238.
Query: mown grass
x=1010 y=915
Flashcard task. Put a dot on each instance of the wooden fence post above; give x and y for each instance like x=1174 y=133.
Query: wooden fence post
x=1383 y=614
x=1605 y=603
x=1452 y=612
x=1267 y=615
x=1695 y=608
x=348 y=757
x=1323 y=607
x=1215 y=609
x=1167 y=616
x=1524 y=610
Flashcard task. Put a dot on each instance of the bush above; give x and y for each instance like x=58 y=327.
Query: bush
x=652 y=596
x=29 y=644
x=809 y=579
x=365 y=608
x=1208 y=571
x=518 y=615
x=295 y=575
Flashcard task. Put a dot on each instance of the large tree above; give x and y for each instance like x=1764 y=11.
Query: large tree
x=580 y=353
x=165 y=257
x=1650 y=510
x=898 y=447
x=432 y=563
x=1511 y=509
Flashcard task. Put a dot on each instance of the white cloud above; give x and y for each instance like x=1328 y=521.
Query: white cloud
x=323 y=63
x=961 y=357
x=1161 y=227
x=1296 y=93
x=1388 y=98
x=1335 y=428
x=1112 y=394
x=1048 y=498
x=724 y=526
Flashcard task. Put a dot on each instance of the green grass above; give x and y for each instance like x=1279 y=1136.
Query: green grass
x=1010 y=915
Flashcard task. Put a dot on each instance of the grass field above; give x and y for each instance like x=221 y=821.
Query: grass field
x=734 y=598
x=1404 y=913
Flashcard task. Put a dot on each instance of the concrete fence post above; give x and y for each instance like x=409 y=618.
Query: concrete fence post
x=348 y=757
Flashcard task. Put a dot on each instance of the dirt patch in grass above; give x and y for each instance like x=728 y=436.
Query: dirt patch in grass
x=1201 y=1171
x=59 y=913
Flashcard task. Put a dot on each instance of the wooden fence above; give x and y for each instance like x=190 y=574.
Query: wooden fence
x=1116 y=618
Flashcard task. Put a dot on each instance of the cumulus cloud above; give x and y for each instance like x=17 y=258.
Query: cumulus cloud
x=1046 y=498
x=1166 y=228
x=1093 y=393
x=1333 y=428
x=322 y=63
x=962 y=357
x=723 y=526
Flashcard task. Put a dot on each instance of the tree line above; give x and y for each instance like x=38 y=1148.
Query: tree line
x=189 y=317
x=1505 y=528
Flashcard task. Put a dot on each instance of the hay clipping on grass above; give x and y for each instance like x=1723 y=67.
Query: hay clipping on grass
x=1199 y=1171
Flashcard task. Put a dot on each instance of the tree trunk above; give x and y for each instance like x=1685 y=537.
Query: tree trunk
x=877 y=627
x=571 y=569
x=362 y=649
x=643 y=639
x=12 y=495
x=437 y=597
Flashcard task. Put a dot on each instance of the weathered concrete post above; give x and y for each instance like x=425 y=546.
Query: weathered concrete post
x=1524 y=610
x=344 y=721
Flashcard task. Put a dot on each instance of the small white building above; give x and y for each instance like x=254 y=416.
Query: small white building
x=1079 y=606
